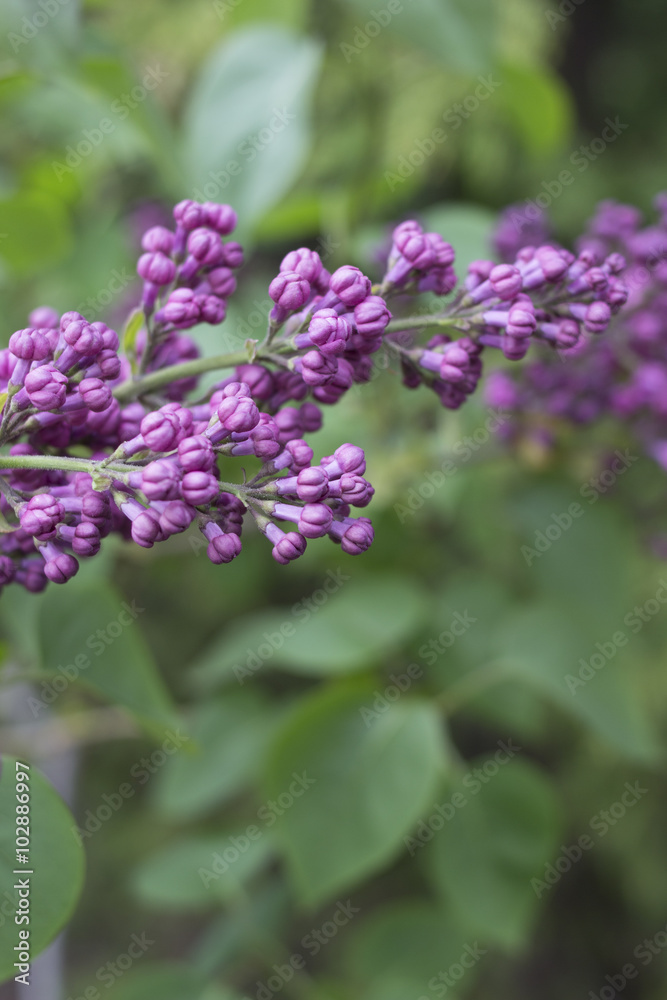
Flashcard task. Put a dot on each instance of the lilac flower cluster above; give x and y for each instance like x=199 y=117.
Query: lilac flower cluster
x=99 y=438
x=547 y=294
x=625 y=375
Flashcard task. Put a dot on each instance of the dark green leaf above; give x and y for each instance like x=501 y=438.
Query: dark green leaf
x=247 y=129
x=485 y=855
x=372 y=775
x=56 y=862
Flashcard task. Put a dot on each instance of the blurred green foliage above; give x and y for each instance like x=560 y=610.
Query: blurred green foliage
x=385 y=684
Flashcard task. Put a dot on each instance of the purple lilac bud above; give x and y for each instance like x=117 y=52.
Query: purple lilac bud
x=158 y=239
x=43 y=317
x=328 y=331
x=205 y=246
x=86 y=540
x=259 y=380
x=238 y=414
x=180 y=310
x=316 y=368
x=347 y=458
x=40 y=516
x=290 y=292
x=96 y=508
x=107 y=366
x=222 y=218
x=311 y=417
x=161 y=480
x=110 y=339
x=145 y=530
x=222 y=282
x=196 y=454
x=156 y=268
x=312 y=484
x=199 y=488
x=7 y=570
x=46 y=387
x=289 y=423
x=315 y=520
x=222 y=547
x=82 y=340
x=232 y=254
x=350 y=285
x=189 y=214
x=176 y=517
x=305 y=262
x=212 y=309
x=354 y=490
x=95 y=394
x=59 y=567
x=27 y=346
x=506 y=281
x=371 y=317
x=521 y=322
x=161 y=430
x=297 y=455
x=355 y=535
x=597 y=317
x=286 y=547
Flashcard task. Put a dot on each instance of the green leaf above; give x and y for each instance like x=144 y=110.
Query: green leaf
x=247 y=125
x=201 y=872
x=544 y=646
x=5 y=526
x=293 y=13
x=354 y=626
x=455 y=32
x=401 y=947
x=372 y=778
x=592 y=553
x=539 y=105
x=35 y=231
x=56 y=860
x=230 y=737
x=168 y=981
x=89 y=633
x=484 y=857
x=132 y=328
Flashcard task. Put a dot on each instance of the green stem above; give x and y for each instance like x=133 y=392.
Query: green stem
x=422 y=322
x=62 y=463
x=186 y=369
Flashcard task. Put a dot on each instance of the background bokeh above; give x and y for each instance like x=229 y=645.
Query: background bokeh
x=323 y=122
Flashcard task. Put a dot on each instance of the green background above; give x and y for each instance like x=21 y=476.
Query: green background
x=356 y=151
